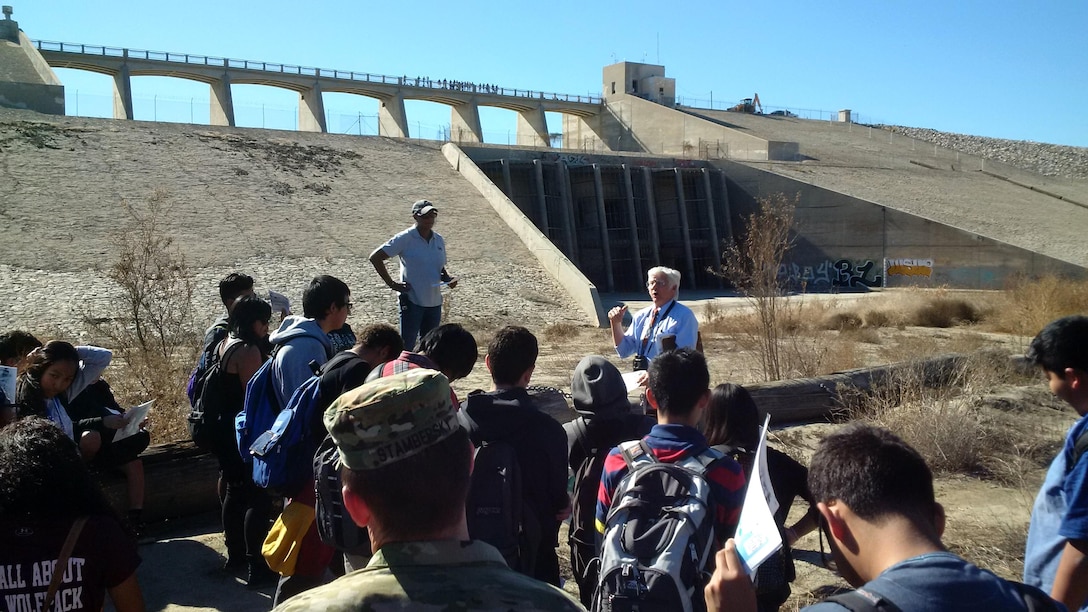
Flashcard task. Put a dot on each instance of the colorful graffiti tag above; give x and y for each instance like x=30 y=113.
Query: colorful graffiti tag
x=840 y=274
x=908 y=267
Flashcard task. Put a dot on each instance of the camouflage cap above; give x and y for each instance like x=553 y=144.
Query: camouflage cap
x=391 y=418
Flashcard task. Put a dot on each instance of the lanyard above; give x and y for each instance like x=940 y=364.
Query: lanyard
x=650 y=332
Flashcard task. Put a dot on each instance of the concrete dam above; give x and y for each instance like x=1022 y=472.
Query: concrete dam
x=645 y=182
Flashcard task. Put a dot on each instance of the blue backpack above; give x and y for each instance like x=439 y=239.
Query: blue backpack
x=283 y=453
x=260 y=409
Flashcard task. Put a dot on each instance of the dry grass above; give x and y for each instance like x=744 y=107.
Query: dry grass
x=1029 y=304
x=952 y=424
x=559 y=332
x=946 y=312
x=995 y=544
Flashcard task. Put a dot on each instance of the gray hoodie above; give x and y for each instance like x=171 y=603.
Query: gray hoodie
x=300 y=341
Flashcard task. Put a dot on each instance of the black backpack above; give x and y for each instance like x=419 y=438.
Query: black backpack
x=210 y=419
x=334 y=524
x=587 y=475
x=335 y=527
x=495 y=507
x=216 y=334
x=777 y=571
x=587 y=481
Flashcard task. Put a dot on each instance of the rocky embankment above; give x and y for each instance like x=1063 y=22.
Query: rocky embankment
x=1042 y=158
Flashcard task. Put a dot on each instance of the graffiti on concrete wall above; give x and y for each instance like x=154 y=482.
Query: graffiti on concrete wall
x=909 y=267
x=849 y=274
x=840 y=274
x=569 y=159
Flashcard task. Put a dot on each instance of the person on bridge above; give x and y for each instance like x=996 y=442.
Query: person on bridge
x=665 y=325
x=422 y=253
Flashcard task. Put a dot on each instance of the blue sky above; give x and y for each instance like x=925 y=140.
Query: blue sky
x=998 y=68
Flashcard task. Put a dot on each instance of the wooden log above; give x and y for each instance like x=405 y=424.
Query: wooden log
x=179 y=480
x=807 y=399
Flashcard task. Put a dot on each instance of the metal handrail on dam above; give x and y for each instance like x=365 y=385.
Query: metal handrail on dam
x=211 y=61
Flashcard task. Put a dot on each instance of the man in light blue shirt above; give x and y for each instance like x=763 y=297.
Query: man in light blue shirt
x=422 y=253
x=1056 y=554
x=884 y=525
x=667 y=324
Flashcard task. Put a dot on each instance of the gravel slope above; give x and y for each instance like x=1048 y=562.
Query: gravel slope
x=282 y=206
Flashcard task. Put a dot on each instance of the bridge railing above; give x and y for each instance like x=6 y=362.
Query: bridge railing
x=204 y=60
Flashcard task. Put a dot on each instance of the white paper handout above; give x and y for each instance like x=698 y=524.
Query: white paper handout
x=8 y=376
x=630 y=379
x=447 y=283
x=133 y=418
x=279 y=302
x=757 y=536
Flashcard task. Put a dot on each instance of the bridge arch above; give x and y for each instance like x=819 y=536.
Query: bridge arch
x=464 y=99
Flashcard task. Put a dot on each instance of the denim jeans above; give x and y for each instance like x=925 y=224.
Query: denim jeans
x=416 y=321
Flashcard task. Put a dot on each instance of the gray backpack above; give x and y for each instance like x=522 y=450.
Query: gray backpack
x=659 y=535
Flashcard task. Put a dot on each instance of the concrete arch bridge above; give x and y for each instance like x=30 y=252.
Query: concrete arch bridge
x=463 y=98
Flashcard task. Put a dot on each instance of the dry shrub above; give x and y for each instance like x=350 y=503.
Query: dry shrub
x=810 y=355
x=731 y=324
x=953 y=436
x=714 y=318
x=865 y=335
x=839 y=321
x=559 y=332
x=802 y=346
x=752 y=263
x=878 y=318
x=946 y=312
x=1030 y=304
x=906 y=346
x=151 y=330
x=941 y=414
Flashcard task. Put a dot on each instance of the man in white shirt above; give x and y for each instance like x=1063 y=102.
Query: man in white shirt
x=422 y=253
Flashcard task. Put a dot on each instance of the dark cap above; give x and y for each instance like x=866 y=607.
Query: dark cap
x=597 y=388
x=391 y=418
x=422 y=207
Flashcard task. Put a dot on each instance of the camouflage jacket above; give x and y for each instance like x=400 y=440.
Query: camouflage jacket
x=440 y=574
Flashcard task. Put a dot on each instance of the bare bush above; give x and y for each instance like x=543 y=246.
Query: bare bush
x=752 y=265
x=946 y=312
x=152 y=329
x=947 y=414
x=865 y=335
